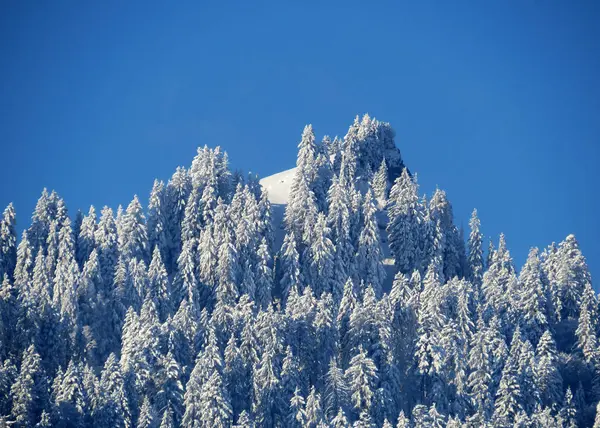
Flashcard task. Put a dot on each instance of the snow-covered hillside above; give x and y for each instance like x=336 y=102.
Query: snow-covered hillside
x=278 y=186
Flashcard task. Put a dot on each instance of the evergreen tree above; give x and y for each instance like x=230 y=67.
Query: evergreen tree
x=475 y=251
x=380 y=184
x=86 y=239
x=406 y=219
x=264 y=276
x=29 y=390
x=290 y=265
x=370 y=255
x=106 y=239
x=8 y=242
x=147 y=418
x=157 y=219
x=159 y=286
x=112 y=407
x=133 y=236
x=548 y=379
x=321 y=257
x=532 y=299
x=361 y=375
x=215 y=408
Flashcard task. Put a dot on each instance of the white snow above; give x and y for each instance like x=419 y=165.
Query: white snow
x=278 y=186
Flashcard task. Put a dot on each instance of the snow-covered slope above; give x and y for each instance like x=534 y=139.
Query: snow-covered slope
x=278 y=186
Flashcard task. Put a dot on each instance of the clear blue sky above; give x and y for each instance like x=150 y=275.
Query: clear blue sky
x=497 y=102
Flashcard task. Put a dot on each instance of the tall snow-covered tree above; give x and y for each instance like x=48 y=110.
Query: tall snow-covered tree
x=531 y=300
x=133 y=235
x=86 y=239
x=361 y=377
x=548 y=379
x=321 y=253
x=106 y=240
x=157 y=219
x=290 y=265
x=380 y=184
x=8 y=242
x=370 y=254
x=406 y=224
x=29 y=392
x=159 y=286
x=475 y=250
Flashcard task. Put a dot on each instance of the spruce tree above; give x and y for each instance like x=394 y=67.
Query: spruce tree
x=380 y=184
x=475 y=251
x=361 y=377
x=29 y=392
x=404 y=228
x=8 y=242
x=370 y=254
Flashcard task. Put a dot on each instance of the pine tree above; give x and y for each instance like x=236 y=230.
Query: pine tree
x=133 y=235
x=406 y=219
x=336 y=389
x=176 y=196
x=301 y=208
x=112 y=408
x=361 y=375
x=167 y=419
x=147 y=418
x=71 y=404
x=106 y=239
x=370 y=255
x=297 y=415
x=86 y=239
x=186 y=286
x=66 y=276
x=159 y=285
x=8 y=242
x=156 y=224
x=290 y=265
x=170 y=392
x=264 y=276
x=25 y=258
x=587 y=341
x=475 y=251
x=380 y=184
x=532 y=299
x=568 y=413
x=215 y=408
x=266 y=381
x=321 y=252
x=313 y=411
x=508 y=397
x=547 y=378
x=29 y=390
x=207 y=249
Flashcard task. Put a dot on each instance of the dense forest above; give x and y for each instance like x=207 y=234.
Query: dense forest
x=361 y=305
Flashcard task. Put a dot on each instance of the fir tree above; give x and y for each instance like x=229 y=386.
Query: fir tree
x=361 y=375
x=475 y=251
x=380 y=184
x=406 y=220
x=548 y=379
x=133 y=235
x=8 y=242
x=290 y=265
x=29 y=390
x=370 y=255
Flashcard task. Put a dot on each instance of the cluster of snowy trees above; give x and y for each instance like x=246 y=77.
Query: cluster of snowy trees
x=371 y=310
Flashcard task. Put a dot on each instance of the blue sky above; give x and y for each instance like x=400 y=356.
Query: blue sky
x=496 y=102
